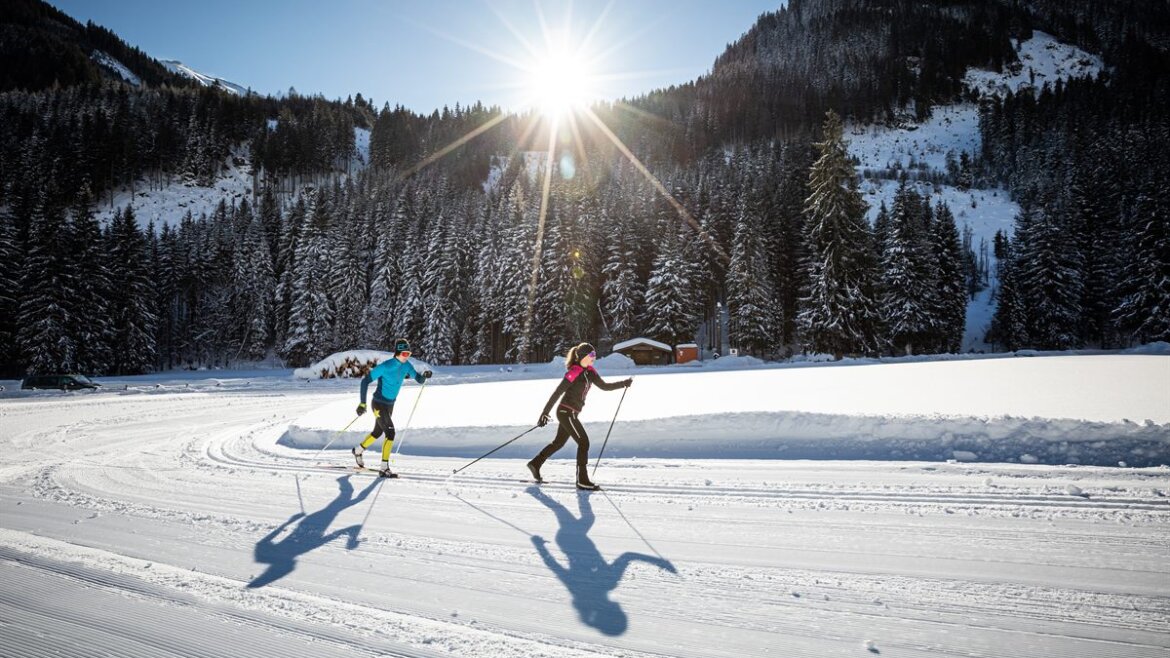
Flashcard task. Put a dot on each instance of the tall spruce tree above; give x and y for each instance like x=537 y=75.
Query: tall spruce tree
x=44 y=337
x=751 y=307
x=253 y=290
x=89 y=307
x=909 y=282
x=441 y=284
x=1050 y=279
x=11 y=257
x=950 y=293
x=132 y=301
x=621 y=291
x=838 y=314
x=670 y=310
x=310 y=323
x=1144 y=311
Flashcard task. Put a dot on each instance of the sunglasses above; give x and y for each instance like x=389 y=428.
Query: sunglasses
x=592 y=355
x=405 y=353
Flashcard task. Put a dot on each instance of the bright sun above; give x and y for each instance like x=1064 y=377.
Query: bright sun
x=560 y=83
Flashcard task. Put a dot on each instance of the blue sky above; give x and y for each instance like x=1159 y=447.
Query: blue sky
x=427 y=54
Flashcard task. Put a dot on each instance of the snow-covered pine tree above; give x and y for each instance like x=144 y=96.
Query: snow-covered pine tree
x=310 y=323
x=909 y=284
x=88 y=307
x=838 y=314
x=519 y=218
x=10 y=265
x=951 y=281
x=292 y=225
x=670 y=309
x=750 y=303
x=549 y=302
x=271 y=219
x=1144 y=312
x=1050 y=278
x=253 y=289
x=621 y=291
x=131 y=302
x=581 y=233
x=348 y=276
x=440 y=291
x=1008 y=324
x=43 y=320
x=1099 y=239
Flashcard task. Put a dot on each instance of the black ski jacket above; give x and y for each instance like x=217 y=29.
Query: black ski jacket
x=575 y=386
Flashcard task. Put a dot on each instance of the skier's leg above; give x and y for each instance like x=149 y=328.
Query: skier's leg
x=370 y=438
x=582 y=439
x=562 y=437
x=386 y=424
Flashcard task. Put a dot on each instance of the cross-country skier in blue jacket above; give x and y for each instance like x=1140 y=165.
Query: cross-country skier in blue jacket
x=389 y=374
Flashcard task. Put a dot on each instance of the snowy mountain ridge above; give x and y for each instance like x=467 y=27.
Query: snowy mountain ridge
x=206 y=80
x=109 y=62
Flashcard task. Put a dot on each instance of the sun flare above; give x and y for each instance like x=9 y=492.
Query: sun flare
x=561 y=83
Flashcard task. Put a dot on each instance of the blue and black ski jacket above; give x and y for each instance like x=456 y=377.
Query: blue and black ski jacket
x=389 y=375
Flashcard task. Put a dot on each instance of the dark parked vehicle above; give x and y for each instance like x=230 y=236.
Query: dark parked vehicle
x=61 y=382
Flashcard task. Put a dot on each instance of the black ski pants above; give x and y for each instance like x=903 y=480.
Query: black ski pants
x=569 y=427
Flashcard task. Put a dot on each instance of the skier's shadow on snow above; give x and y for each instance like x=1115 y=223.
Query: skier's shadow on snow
x=589 y=578
x=281 y=556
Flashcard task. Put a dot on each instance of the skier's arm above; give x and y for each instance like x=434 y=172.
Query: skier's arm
x=366 y=385
x=561 y=388
x=411 y=372
x=597 y=381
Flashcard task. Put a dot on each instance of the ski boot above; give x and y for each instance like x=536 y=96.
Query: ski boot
x=357 y=456
x=535 y=471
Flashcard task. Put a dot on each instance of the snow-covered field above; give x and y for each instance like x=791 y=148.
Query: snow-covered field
x=171 y=515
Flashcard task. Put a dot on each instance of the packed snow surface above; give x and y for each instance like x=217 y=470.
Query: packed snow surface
x=169 y=515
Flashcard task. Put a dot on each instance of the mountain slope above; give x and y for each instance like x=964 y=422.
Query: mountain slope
x=41 y=46
x=203 y=79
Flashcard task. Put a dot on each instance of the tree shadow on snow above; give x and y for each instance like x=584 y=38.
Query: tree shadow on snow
x=589 y=578
x=281 y=556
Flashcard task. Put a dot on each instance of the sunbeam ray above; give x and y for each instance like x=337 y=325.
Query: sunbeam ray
x=678 y=207
x=534 y=279
x=426 y=162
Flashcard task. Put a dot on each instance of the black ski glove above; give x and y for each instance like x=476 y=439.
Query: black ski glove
x=361 y=409
x=543 y=420
x=628 y=381
x=426 y=374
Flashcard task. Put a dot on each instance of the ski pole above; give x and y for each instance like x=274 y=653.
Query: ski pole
x=496 y=448
x=409 y=417
x=338 y=435
x=615 y=413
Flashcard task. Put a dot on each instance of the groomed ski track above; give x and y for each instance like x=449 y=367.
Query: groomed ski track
x=175 y=525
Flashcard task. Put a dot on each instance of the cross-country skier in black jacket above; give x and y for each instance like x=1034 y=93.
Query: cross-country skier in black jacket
x=579 y=378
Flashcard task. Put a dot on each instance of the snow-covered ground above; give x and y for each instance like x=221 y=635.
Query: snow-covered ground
x=170 y=515
x=169 y=204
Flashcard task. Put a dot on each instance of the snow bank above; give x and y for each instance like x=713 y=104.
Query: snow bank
x=1056 y=410
x=350 y=364
x=796 y=435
